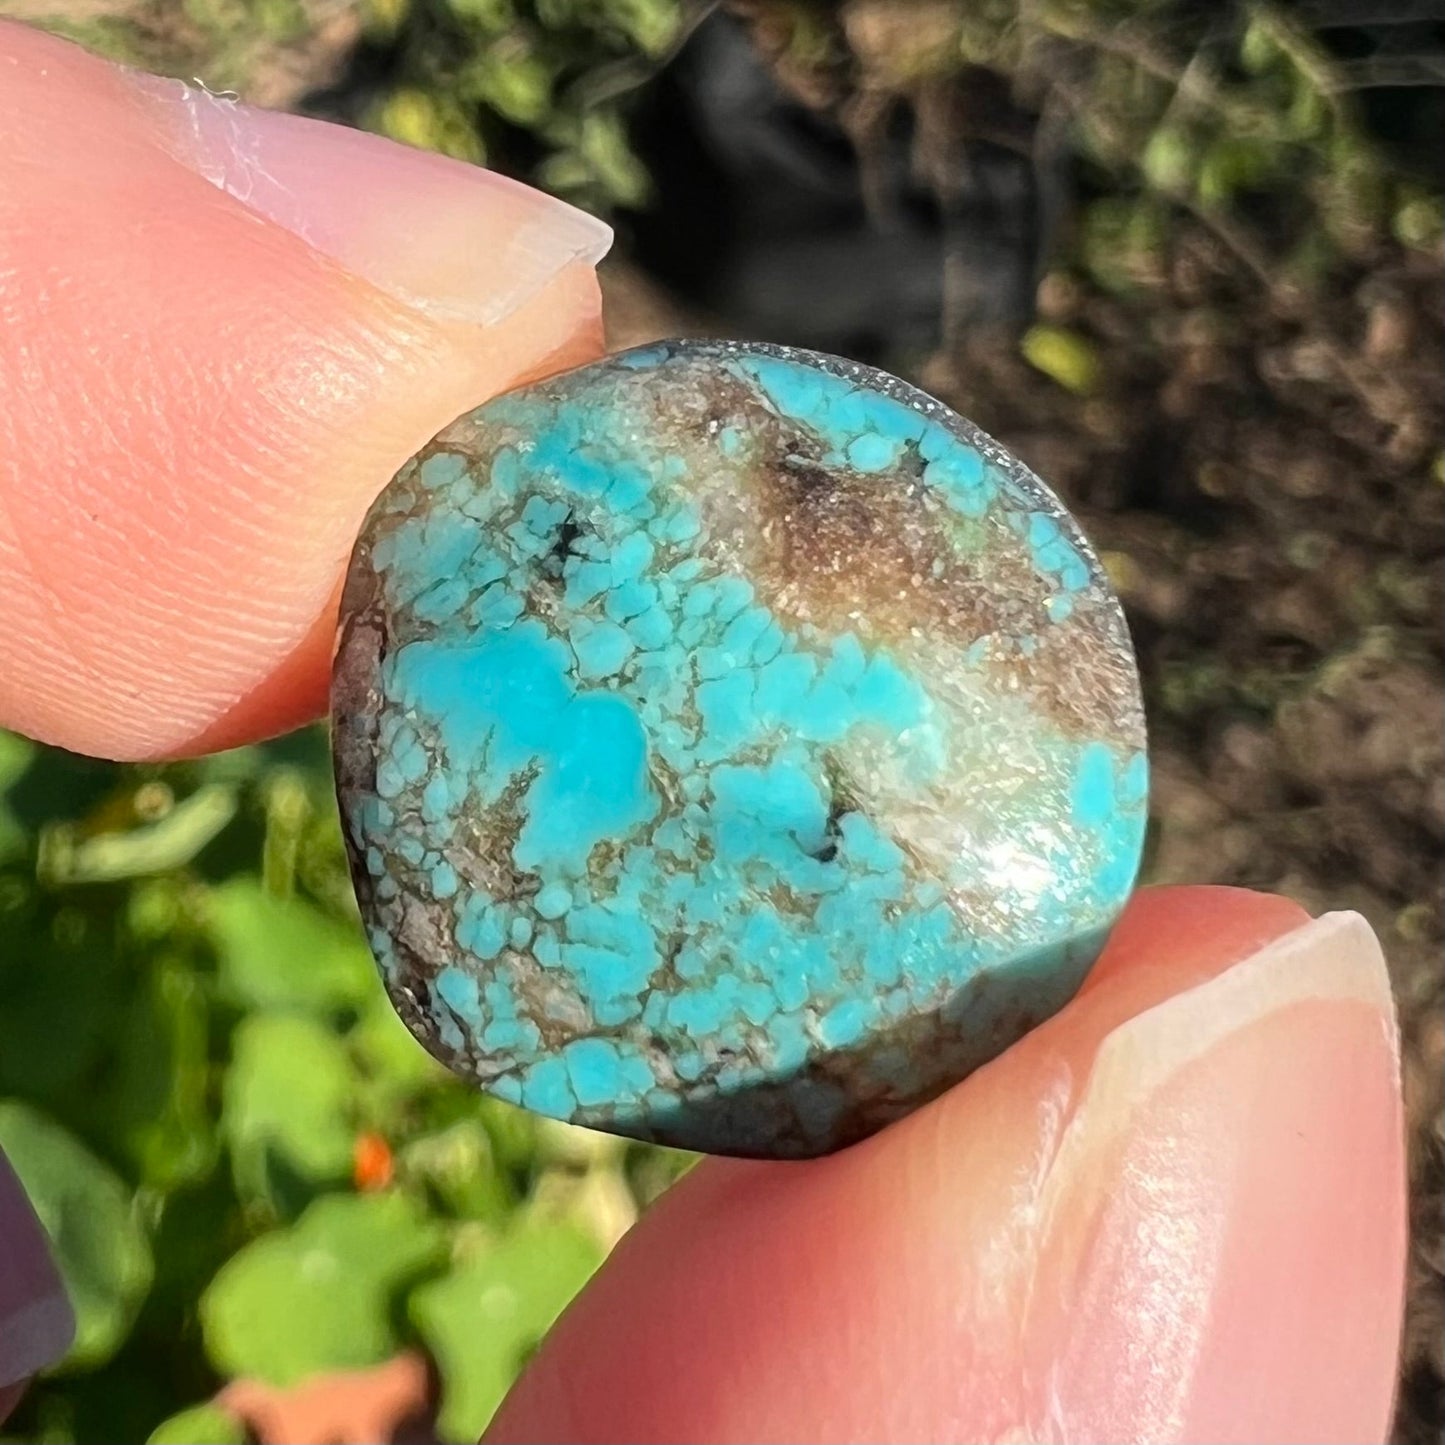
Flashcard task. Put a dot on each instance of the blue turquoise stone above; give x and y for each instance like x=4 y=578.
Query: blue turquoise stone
x=735 y=747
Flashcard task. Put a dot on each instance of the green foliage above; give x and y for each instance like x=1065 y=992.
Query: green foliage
x=1231 y=119
x=282 y=953
x=247 y=1165
x=319 y=1296
x=286 y=1110
x=540 y=85
x=201 y=1425
x=507 y=1294
x=466 y=74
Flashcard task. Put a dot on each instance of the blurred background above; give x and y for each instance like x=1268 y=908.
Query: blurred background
x=1184 y=258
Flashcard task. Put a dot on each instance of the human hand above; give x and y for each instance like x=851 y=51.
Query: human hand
x=1175 y=1211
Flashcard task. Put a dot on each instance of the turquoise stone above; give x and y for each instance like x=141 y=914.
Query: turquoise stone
x=735 y=748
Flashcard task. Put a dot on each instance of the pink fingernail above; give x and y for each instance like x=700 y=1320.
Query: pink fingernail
x=446 y=237
x=36 y=1322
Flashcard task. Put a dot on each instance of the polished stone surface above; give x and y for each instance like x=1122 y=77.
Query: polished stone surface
x=735 y=747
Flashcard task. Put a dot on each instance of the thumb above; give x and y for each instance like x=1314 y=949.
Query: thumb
x=1175 y=1211
x=224 y=330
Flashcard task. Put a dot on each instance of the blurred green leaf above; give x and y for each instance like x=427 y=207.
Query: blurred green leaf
x=58 y=784
x=171 y=842
x=51 y=982
x=1309 y=110
x=395 y=1067
x=280 y=20
x=487 y=16
x=1258 y=48
x=383 y=18
x=157 y=1106
x=482 y=1319
x=596 y=1200
x=1065 y=356
x=87 y=1211
x=201 y=1425
x=651 y=1171
x=283 y=953
x=458 y=1165
x=15 y=757
x=430 y=122
x=513 y=1132
x=288 y=810
x=318 y=1296
x=1169 y=160
x=305 y=751
x=286 y=1109
x=594 y=155
x=1122 y=239
x=513 y=80
x=652 y=25
x=1232 y=165
x=1419 y=219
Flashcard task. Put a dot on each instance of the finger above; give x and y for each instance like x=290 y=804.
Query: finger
x=1173 y=1212
x=224 y=330
x=36 y=1323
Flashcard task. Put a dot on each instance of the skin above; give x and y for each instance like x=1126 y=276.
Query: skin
x=1173 y=1212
